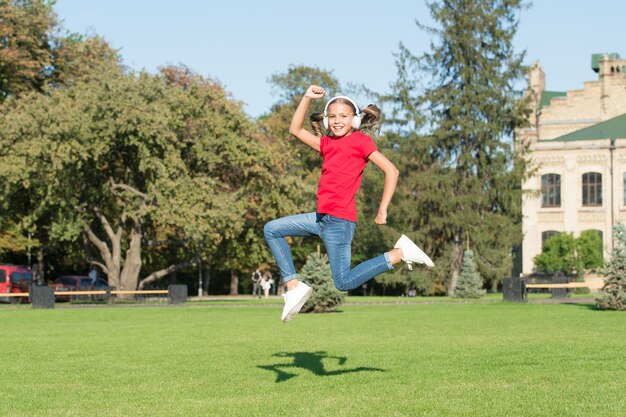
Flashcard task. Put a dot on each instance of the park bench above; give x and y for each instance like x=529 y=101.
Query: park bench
x=43 y=296
x=516 y=289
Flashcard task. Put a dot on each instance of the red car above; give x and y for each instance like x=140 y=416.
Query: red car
x=14 y=278
x=78 y=283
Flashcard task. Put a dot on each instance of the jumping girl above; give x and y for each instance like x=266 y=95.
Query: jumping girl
x=345 y=151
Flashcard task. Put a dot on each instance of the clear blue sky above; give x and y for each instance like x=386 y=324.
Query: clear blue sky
x=242 y=43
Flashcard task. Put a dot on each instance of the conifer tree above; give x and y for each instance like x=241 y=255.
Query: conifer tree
x=470 y=283
x=614 y=290
x=468 y=175
x=316 y=273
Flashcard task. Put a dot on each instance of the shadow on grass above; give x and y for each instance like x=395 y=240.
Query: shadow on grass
x=586 y=305
x=312 y=362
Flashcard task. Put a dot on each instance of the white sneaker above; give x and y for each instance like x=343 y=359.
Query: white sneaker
x=411 y=253
x=294 y=300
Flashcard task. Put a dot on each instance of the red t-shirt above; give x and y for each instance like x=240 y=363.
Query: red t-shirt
x=344 y=161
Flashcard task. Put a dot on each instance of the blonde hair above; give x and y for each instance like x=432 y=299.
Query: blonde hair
x=370 y=116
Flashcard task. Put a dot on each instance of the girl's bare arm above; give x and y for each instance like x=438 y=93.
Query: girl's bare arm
x=391 y=179
x=297 y=121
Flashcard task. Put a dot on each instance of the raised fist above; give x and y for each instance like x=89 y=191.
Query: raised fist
x=315 y=91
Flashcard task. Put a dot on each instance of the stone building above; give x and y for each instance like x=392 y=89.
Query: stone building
x=578 y=147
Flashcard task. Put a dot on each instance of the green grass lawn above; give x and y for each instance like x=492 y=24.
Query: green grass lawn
x=480 y=359
x=247 y=299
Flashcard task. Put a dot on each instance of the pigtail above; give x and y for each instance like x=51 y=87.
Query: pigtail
x=369 y=120
x=316 y=125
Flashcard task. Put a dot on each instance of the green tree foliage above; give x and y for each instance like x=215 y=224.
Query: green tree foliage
x=77 y=57
x=129 y=158
x=614 y=290
x=26 y=50
x=316 y=273
x=590 y=250
x=291 y=85
x=406 y=214
x=11 y=240
x=466 y=176
x=470 y=283
x=36 y=52
x=559 y=254
x=563 y=252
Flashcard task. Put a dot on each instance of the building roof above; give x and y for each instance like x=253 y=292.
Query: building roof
x=614 y=128
x=596 y=58
x=546 y=96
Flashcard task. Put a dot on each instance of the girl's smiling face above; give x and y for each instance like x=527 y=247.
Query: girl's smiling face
x=340 y=118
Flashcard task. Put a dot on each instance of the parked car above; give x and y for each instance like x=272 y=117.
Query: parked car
x=15 y=278
x=78 y=283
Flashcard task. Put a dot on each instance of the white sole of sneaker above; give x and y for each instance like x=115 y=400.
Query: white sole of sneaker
x=296 y=309
x=425 y=258
x=405 y=243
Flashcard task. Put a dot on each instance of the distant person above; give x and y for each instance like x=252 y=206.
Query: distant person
x=93 y=275
x=265 y=285
x=345 y=151
x=256 y=283
x=93 y=278
x=268 y=276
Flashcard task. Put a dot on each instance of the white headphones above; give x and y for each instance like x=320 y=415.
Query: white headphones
x=356 y=120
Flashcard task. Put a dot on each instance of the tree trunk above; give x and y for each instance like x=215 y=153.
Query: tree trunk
x=132 y=263
x=173 y=278
x=207 y=277
x=457 y=260
x=40 y=279
x=110 y=256
x=164 y=272
x=234 y=282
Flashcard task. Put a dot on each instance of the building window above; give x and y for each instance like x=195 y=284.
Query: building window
x=551 y=190
x=592 y=189
x=547 y=235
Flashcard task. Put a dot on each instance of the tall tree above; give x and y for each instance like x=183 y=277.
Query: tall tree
x=469 y=108
x=37 y=54
x=35 y=50
x=26 y=49
x=131 y=158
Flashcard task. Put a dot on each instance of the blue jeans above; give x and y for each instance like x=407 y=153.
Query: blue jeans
x=337 y=236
